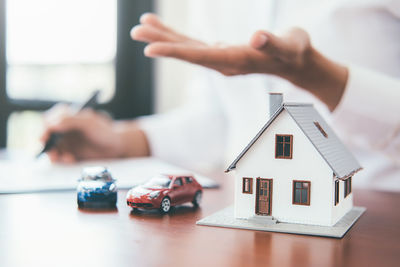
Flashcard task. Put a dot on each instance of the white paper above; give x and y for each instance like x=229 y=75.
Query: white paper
x=27 y=175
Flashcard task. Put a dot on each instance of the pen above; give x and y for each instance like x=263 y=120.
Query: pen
x=55 y=137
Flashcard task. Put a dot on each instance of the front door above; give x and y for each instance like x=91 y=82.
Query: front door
x=263 y=196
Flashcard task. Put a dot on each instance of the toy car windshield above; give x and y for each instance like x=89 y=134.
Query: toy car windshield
x=96 y=174
x=161 y=181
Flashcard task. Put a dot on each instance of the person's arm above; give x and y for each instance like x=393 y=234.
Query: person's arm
x=369 y=111
x=290 y=56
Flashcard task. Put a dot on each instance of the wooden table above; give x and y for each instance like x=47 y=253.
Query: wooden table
x=49 y=230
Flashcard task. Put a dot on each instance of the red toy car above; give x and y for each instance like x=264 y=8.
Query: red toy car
x=164 y=191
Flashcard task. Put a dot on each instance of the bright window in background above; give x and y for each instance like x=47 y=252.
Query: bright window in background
x=24 y=130
x=61 y=49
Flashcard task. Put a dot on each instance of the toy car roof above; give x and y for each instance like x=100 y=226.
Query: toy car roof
x=96 y=172
x=171 y=176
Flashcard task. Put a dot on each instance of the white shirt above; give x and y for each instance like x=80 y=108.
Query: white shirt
x=224 y=113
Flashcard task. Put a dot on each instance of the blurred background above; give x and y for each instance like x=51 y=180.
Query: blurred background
x=63 y=50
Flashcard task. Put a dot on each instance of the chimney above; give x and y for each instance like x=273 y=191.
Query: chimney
x=275 y=102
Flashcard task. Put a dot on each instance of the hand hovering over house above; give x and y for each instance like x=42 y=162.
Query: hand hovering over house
x=91 y=135
x=290 y=56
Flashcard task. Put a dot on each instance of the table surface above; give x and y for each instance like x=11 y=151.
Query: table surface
x=48 y=229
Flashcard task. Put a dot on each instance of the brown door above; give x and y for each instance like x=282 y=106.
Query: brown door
x=263 y=196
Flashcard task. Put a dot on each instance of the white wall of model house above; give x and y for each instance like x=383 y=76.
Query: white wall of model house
x=306 y=164
x=345 y=203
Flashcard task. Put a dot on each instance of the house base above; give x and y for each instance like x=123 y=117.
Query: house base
x=225 y=218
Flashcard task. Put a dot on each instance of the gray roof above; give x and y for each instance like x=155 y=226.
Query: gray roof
x=332 y=150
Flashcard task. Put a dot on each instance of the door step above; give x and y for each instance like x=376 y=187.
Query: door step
x=259 y=219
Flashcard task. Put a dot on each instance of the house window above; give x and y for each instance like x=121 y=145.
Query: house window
x=301 y=192
x=347 y=187
x=284 y=146
x=247 y=186
x=336 y=192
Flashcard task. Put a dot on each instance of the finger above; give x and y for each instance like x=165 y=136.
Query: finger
x=209 y=56
x=150 y=19
x=53 y=155
x=187 y=52
x=267 y=42
x=291 y=42
x=45 y=136
x=227 y=60
x=259 y=40
x=148 y=33
x=153 y=20
x=68 y=158
x=298 y=37
x=48 y=130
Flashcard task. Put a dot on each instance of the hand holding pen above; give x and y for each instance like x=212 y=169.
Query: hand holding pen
x=55 y=137
x=75 y=134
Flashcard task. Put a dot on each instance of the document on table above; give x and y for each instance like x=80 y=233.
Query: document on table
x=27 y=175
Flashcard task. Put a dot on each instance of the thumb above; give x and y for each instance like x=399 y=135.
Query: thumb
x=259 y=39
x=265 y=41
x=294 y=40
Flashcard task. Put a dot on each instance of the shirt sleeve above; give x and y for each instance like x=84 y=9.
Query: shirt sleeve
x=191 y=136
x=369 y=111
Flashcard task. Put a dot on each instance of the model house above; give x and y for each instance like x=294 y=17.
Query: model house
x=295 y=170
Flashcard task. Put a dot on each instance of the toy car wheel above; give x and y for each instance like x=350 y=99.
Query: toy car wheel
x=165 y=205
x=197 y=199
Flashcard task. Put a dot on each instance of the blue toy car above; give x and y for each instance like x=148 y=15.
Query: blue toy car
x=96 y=188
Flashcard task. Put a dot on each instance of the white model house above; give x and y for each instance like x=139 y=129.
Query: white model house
x=295 y=170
